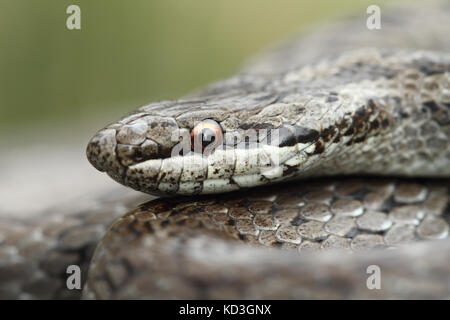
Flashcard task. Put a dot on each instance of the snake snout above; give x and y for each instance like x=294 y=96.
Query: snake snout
x=117 y=148
x=101 y=153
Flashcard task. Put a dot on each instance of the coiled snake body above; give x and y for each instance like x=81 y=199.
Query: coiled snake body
x=365 y=108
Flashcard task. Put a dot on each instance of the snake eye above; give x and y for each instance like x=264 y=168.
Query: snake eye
x=206 y=136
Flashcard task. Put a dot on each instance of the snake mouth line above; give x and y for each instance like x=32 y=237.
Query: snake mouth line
x=222 y=171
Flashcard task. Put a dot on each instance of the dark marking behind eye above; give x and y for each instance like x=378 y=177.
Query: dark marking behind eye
x=291 y=135
x=305 y=135
x=287 y=137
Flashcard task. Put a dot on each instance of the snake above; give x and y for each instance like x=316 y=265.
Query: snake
x=321 y=160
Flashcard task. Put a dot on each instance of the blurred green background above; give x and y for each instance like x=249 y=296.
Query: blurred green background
x=130 y=52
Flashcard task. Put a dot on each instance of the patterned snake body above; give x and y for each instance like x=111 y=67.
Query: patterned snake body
x=294 y=114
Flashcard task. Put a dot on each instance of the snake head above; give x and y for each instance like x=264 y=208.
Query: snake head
x=255 y=130
x=204 y=152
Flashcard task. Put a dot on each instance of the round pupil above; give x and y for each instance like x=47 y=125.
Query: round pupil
x=208 y=136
